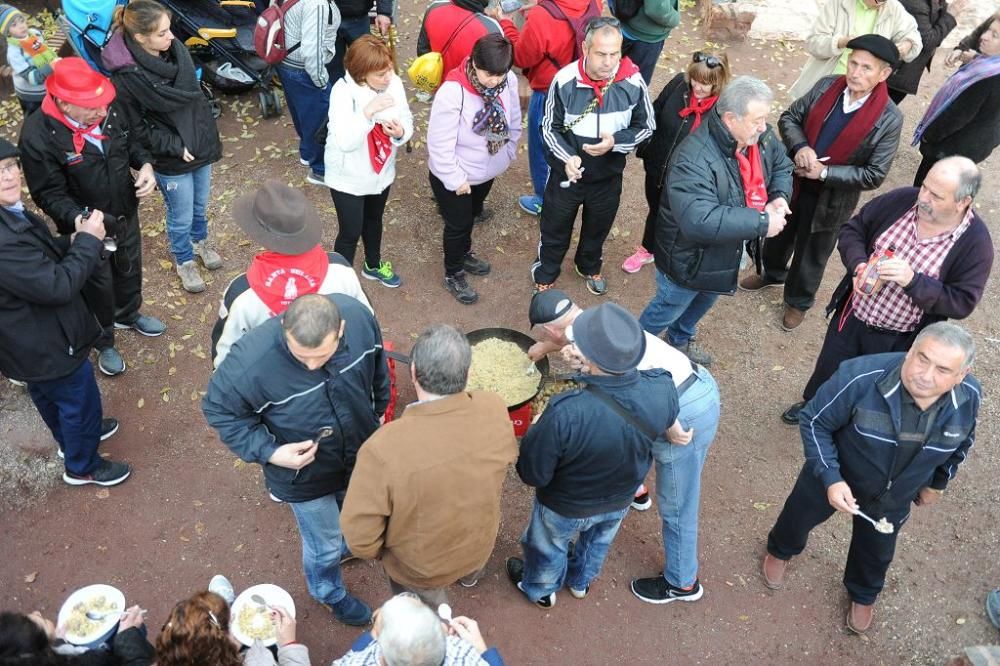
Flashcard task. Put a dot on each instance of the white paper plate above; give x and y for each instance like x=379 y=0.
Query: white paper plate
x=86 y=594
x=272 y=594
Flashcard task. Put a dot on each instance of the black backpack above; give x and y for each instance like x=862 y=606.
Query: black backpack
x=626 y=10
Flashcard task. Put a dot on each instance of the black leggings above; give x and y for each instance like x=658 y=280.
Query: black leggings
x=360 y=217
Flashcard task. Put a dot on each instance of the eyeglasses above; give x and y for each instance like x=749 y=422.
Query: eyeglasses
x=602 y=22
x=9 y=168
x=710 y=60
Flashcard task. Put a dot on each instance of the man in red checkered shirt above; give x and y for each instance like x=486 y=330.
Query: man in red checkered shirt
x=942 y=254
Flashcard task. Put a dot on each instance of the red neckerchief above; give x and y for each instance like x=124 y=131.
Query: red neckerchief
x=278 y=279
x=50 y=109
x=626 y=68
x=857 y=127
x=697 y=107
x=752 y=174
x=379 y=147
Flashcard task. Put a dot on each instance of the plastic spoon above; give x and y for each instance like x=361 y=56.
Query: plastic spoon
x=444 y=612
x=882 y=526
x=257 y=599
x=98 y=616
x=566 y=183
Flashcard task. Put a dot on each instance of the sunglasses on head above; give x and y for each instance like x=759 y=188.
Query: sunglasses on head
x=710 y=60
x=602 y=22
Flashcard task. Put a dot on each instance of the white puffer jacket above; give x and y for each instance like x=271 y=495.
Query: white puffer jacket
x=348 y=167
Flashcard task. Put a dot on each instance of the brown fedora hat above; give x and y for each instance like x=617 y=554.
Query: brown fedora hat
x=280 y=218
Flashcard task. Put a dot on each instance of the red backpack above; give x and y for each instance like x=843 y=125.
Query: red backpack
x=578 y=24
x=269 y=33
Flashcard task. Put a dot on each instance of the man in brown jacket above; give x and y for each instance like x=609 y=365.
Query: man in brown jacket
x=425 y=493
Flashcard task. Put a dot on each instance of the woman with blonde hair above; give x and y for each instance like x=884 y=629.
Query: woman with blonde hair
x=679 y=109
x=369 y=121
x=159 y=89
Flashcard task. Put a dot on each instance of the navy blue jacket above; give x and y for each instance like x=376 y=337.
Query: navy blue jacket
x=583 y=457
x=262 y=397
x=849 y=433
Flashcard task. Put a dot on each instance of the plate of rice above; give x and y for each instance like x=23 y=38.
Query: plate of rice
x=73 y=615
x=249 y=621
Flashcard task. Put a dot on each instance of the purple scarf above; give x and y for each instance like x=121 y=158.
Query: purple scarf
x=981 y=67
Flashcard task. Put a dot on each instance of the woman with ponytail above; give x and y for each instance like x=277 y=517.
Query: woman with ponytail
x=158 y=86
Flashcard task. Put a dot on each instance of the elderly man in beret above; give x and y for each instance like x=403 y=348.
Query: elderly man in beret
x=292 y=264
x=79 y=153
x=587 y=454
x=843 y=135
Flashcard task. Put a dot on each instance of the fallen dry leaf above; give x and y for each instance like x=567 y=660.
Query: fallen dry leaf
x=30 y=578
x=103 y=493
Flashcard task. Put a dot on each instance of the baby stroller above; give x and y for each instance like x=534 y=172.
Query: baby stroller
x=219 y=36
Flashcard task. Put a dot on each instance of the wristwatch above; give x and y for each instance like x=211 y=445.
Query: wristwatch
x=823 y=173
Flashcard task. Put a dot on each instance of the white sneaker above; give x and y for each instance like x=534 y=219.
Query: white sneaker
x=222 y=587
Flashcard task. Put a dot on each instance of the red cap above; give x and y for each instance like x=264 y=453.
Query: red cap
x=73 y=81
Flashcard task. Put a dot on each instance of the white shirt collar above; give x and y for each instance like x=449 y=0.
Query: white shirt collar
x=851 y=107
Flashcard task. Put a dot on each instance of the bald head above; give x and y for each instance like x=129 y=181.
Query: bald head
x=960 y=173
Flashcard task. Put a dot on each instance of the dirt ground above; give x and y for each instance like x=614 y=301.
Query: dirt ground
x=191 y=509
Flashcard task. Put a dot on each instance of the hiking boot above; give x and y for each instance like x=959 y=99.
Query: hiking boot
x=109 y=427
x=792 y=318
x=460 y=289
x=473 y=265
x=317 y=179
x=209 y=257
x=351 y=611
x=383 y=274
x=658 y=591
x=515 y=571
x=485 y=215
x=221 y=586
x=791 y=415
x=596 y=285
x=695 y=353
x=757 y=282
x=151 y=327
x=110 y=362
x=860 y=616
x=641 y=502
x=530 y=204
x=190 y=277
x=773 y=571
x=107 y=473
x=635 y=262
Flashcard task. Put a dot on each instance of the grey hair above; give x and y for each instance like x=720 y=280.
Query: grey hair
x=411 y=634
x=966 y=173
x=310 y=319
x=952 y=335
x=441 y=357
x=736 y=97
x=599 y=24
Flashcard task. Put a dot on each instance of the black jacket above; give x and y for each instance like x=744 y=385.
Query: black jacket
x=970 y=126
x=583 y=457
x=261 y=397
x=704 y=219
x=357 y=8
x=46 y=328
x=670 y=130
x=62 y=182
x=934 y=23
x=869 y=163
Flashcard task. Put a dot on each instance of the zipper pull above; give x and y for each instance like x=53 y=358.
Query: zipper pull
x=888 y=487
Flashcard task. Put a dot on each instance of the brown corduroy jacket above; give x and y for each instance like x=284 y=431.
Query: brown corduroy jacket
x=425 y=493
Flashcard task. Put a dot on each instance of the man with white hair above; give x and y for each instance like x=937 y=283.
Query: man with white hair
x=729 y=183
x=406 y=632
x=885 y=431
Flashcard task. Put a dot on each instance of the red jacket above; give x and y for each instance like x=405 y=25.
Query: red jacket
x=544 y=38
x=444 y=19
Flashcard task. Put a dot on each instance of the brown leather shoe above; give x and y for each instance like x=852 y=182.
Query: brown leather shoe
x=859 y=617
x=754 y=282
x=773 y=571
x=792 y=318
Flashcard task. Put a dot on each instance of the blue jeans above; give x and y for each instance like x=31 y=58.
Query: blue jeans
x=186 y=198
x=678 y=480
x=644 y=55
x=676 y=309
x=71 y=408
x=536 y=146
x=322 y=547
x=546 y=541
x=309 y=108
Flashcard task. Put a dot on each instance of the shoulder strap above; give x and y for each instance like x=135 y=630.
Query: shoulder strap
x=461 y=25
x=621 y=411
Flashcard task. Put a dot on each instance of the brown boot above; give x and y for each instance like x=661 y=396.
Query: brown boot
x=792 y=318
x=773 y=571
x=754 y=282
x=859 y=617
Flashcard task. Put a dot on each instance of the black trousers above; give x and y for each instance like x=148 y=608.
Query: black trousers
x=870 y=553
x=653 y=188
x=360 y=218
x=925 y=166
x=459 y=212
x=854 y=339
x=808 y=249
x=114 y=290
x=600 y=205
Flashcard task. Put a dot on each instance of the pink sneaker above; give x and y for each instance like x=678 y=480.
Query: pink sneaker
x=637 y=260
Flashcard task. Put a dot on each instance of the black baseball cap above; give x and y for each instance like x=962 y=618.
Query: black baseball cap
x=547 y=306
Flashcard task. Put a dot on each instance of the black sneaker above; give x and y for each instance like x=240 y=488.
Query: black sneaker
x=791 y=415
x=641 y=501
x=107 y=473
x=515 y=571
x=460 y=289
x=579 y=594
x=473 y=265
x=485 y=215
x=110 y=362
x=109 y=427
x=658 y=591
x=146 y=325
